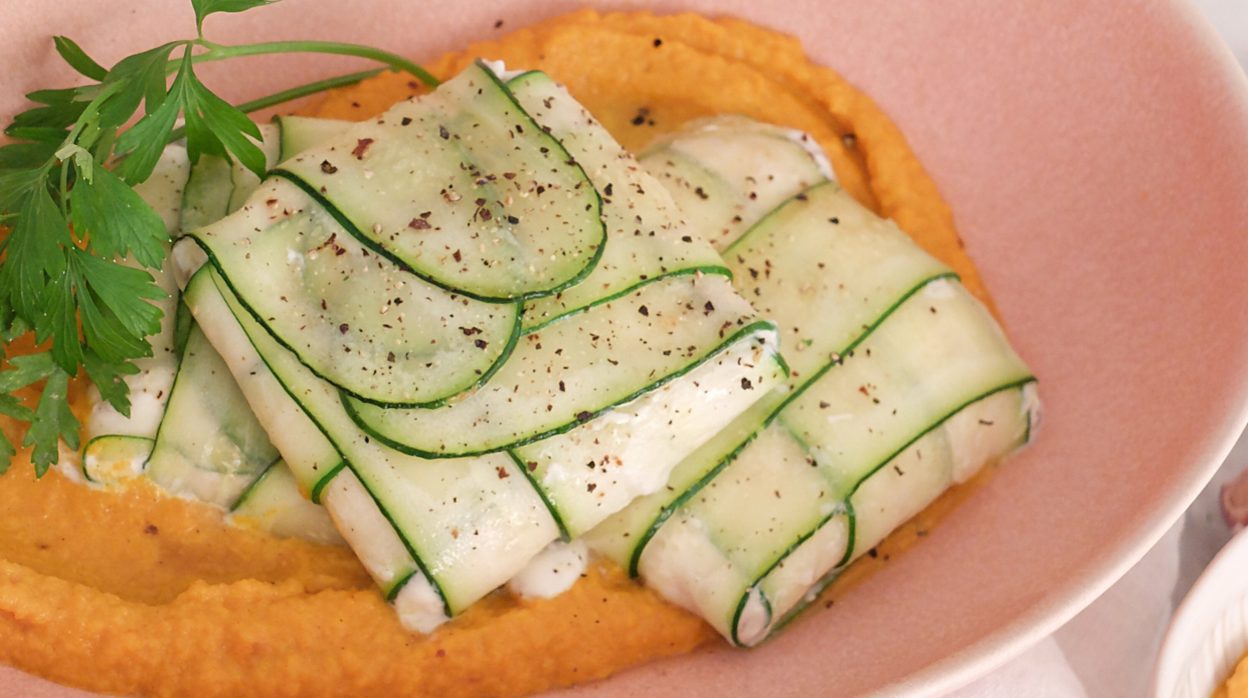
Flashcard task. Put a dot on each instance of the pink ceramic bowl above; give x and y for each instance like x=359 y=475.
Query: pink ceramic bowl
x=1096 y=158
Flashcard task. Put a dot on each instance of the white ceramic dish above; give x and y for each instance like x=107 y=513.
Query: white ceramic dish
x=1209 y=632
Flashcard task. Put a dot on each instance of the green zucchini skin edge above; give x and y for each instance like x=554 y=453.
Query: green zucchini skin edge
x=411 y=550
x=715 y=270
x=525 y=76
x=571 y=161
x=847 y=507
x=398 y=587
x=855 y=344
x=315 y=495
x=815 y=590
x=252 y=487
x=390 y=256
x=181 y=329
x=328 y=476
x=87 y=445
x=364 y=240
x=835 y=572
x=345 y=463
x=736 y=616
x=706 y=269
x=512 y=340
x=800 y=196
x=550 y=506
x=635 y=560
x=744 y=331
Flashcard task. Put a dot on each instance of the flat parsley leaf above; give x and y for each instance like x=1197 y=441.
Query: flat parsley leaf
x=11 y=407
x=203 y=8
x=16 y=186
x=142 y=79
x=34 y=254
x=118 y=291
x=224 y=125
x=78 y=59
x=58 y=321
x=145 y=141
x=53 y=420
x=25 y=371
x=25 y=156
x=116 y=221
x=62 y=108
x=107 y=377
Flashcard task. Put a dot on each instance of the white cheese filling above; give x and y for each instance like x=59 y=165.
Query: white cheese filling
x=552 y=571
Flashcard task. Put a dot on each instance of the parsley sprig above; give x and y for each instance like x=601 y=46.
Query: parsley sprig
x=79 y=237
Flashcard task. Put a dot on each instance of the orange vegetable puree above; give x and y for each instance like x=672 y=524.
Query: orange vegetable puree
x=1236 y=685
x=131 y=592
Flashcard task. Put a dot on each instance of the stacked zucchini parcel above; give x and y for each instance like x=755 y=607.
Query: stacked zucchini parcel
x=472 y=327
x=902 y=384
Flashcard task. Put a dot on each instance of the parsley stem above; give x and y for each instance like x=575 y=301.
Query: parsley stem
x=218 y=52
x=293 y=94
x=308 y=89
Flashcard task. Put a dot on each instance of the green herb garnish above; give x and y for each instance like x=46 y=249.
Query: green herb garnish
x=65 y=194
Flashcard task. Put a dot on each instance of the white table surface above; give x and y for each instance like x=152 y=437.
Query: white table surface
x=1108 y=650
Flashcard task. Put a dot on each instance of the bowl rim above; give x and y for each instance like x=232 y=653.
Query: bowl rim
x=1047 y=617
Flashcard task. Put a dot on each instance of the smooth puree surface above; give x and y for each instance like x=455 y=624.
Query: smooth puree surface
x=127 y=591
x=1236 y=685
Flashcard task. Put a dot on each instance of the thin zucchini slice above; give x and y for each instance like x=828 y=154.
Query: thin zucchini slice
x=885 y=348
x=242 y=180
x=574 y=369
x=310 y=456
x=646 y=236
x=978 y=434
x=463 y=187
x=219 y=186
x=206 y=198
x=727 y=172
x=623 y=536
x=210 y=445
x=737 y=528
x=149 y=388
x=299 y=133
x=273 y=503
x=165 y=188
x=824 y=268
x=115 y=458
x=469 y=524
x=369 y=533
x=827 y=285
x=353 y=317
x=596 y=469
x=746 y=562
x=937 y=352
